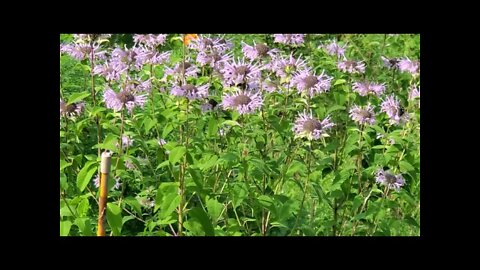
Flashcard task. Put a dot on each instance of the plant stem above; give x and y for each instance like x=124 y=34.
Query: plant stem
x=97 y=121
x=305 y=185
x=62 y=194
x=359 y=160
x=385 y=193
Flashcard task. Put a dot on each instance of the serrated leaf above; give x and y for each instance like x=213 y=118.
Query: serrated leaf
x=84 y=226
x=134 y=204
x=126 y=218
x=199 y=214
x=114 y=218
x=339 y=81
x=82 y=207
x=149 y=123
x=163 y=164
x=168 y=205
x=295 y=167
x=230 y=123
x=335 y=108
x=214 y=209
x=64 y=164
x=176 y=154
x=230 y=157
x=75 y=97
x=212 y=127
x=166 y=130
x=85 y=174
x=405 y=166
x=65 y=227
x=239 y=193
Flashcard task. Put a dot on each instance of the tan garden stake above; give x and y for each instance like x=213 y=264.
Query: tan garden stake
x=105 y=171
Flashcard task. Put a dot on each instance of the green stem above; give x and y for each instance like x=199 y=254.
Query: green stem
x=305 y=186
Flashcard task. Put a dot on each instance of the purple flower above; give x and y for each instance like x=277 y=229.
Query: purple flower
x=257 y=51
x=363 y=115
x=71 y=110
x=206 y=107
x=306 y=81
x=335 y=49
x=82 y=51
x=293 y=39
x=286 y=66
x=365 y=88
x=151 y=56
x=123 y=99
x=390 y=63
x=306 y=126
x=111 y=72
x=390 y=180
x=126 y=59
x=243 y=101
x=191 y=91
x=162 y=142
x=269 y=86
x=351 y=66
x=150 y=40
x=414 y=93
x=129 y=165
x=206 y=44
x=391 y=106
x=96 y=181
x=235 y=73
x=214 y=59
x=177 y=71
x=409 y=66
x=126 y=142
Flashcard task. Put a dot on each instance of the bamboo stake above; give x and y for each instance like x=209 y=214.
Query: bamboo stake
x=105 y=171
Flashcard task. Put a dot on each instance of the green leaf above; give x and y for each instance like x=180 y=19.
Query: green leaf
x=214 y=209
x=230 y=157
x=149 y=123
x=75 y=97
x=230 y=123
x=109 y=143
x=339 y=81
x=296 y=166
x=239 y=193
x=85 y=174
x=176 y=154
x=64 y=164
x=267 y=202
x=212 y=127
x=335 y=108
x=163 y=164
x=82 y=207
x=134 y=204
x=199 y=214
x=84 y=226
x=165 y=189
x=168 y=128
x=97 y=110
x=379 y=147
x=210 y=162
x=114 y=218
x=65 y=227
x=406 y=167
x=126 y=218
x=63 y=181
x=169 y=203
